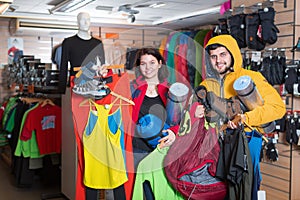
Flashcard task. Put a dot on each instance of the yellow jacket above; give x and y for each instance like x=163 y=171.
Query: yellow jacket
x=273 y=107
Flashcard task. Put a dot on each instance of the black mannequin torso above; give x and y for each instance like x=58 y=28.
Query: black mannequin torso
x=78 y=52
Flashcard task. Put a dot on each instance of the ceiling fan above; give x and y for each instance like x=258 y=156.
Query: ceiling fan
x=130 y=9
x=126 y=9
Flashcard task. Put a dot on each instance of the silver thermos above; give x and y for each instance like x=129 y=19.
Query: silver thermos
x=249 y=95
x=177 y=97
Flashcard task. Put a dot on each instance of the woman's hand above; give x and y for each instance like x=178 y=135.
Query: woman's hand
x=199 y=112
x=167 y=140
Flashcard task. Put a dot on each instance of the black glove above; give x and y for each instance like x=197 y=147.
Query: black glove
x=281 y=124
x=291 y=130
x=271 y=152
x=269 y=30
x=266 y=68
x=282 y=72
x=290 y=79
x=252 y=39
x=276 y=72
x=237 y=28
x=223 y=27
x=295 y=128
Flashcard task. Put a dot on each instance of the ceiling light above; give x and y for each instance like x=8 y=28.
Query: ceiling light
x=131 y=18
x=4 y=5
x=6 y=1
x=213 y=10
x=69 y=5
x=157 y=5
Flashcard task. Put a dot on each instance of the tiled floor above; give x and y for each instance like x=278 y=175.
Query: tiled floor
x=9 y=191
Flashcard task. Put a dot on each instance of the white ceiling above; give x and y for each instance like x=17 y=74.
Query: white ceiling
x=39 y=9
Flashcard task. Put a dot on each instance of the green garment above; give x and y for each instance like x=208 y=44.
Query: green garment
x=10 y=122
x=199 y=42
x=30 y=147
x=151 y=169
x=172 y=52
x=11 y=104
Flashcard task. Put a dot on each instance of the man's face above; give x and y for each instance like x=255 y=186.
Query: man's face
x=220 y=59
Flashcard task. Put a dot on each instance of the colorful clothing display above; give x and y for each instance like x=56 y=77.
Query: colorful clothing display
x=81 y=114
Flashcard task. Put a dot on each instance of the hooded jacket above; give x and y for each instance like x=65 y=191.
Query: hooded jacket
x=273 y=107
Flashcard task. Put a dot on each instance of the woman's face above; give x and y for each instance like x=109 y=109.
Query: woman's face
x=149 y=66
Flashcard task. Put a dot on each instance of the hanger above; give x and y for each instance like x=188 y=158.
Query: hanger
x=263 y=137
x=30 y=100
x=238 y=10
x=267 y=4
x=85 y=101
x=117 y=69
x=47 y=101
x=130 y=102
x=122 y=98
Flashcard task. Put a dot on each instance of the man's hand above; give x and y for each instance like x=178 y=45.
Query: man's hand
x=231 y=125
x=240 y=118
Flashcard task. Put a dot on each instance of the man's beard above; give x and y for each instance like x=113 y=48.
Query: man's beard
x=226 y=70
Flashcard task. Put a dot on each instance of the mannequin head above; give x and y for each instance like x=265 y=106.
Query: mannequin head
x=84 y=22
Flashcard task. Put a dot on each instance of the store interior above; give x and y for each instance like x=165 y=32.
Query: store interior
x=37 y=28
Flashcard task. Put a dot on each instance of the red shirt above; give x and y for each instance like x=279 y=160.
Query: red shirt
x=46 y=122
